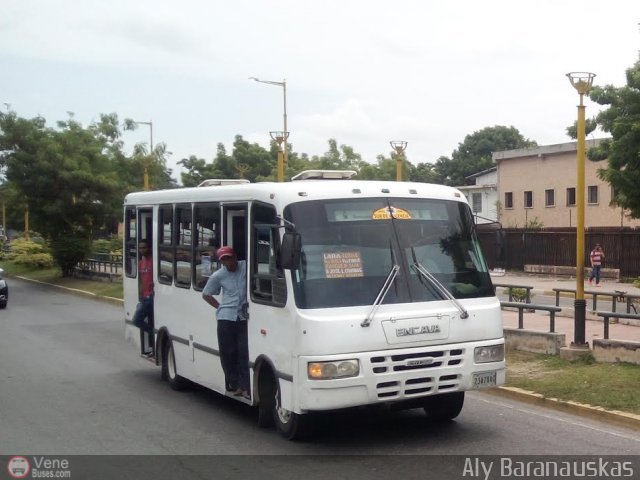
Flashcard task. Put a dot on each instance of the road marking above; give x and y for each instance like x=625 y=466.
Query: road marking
x=553 y=417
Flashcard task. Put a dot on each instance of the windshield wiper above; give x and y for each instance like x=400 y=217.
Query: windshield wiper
x=440 y=288
x=381 y=294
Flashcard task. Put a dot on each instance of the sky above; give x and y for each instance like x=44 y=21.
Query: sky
x=363 y=72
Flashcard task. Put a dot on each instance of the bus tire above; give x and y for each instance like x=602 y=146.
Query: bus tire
x=444 y=407
x=290 y=425
x=267 y=396
x=169 y=370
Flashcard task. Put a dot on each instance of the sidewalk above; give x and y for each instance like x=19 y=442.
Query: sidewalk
x=564 y=323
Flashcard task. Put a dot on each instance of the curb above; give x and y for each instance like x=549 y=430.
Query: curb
x=75 y=291
x=616 y=417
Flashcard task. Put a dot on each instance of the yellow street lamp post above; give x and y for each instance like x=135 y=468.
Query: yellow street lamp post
x=146 y=163
x=285 y=133
x=582 y=82
x=280 y=138
x=399 y=146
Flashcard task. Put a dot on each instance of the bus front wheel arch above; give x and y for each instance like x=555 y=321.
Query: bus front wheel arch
x=291 y=425
x=169 y=370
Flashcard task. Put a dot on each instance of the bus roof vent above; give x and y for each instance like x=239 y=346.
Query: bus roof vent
x=214 y=182
x=325 y=175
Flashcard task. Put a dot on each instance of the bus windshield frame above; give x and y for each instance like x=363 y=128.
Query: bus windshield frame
x=349 y=247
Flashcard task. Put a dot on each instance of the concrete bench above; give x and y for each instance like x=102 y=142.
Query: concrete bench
x=616 y=296
x=532 y=306
x=607 y=315
x=530 y=340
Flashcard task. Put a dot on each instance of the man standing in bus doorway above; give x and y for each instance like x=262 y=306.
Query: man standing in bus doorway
x=144 y=311
x=232 y=316
x=597 y=256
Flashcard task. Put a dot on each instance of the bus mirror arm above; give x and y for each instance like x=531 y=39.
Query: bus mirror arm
x=286 y=223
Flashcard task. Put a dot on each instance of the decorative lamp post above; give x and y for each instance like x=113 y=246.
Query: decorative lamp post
x=582 y=82
x=399 y=146
x=146 y=163
x=285 y=133
x=280 y=138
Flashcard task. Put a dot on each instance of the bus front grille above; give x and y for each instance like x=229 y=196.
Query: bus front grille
x=419 y=363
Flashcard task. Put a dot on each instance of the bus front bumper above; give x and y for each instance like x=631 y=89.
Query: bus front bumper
x=399 y=375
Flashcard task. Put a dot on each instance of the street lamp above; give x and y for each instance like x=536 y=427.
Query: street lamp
x=280 y=138
x=399 y=146
x=146 y=163
x=285 y=133
x=582 y=82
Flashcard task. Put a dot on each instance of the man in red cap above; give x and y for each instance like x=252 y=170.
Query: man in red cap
x=232 y=318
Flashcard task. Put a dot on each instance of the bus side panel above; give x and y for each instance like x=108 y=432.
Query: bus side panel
x=272 y=333
x=130 y=295
x=170 y=313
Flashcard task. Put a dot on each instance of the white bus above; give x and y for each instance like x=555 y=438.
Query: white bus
x=360 y=293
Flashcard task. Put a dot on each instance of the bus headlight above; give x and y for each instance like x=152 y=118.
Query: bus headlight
x=330 y=370
x=490 y=353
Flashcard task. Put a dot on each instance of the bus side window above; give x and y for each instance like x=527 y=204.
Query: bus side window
x=183 y=230
x=206 y=242
x=131 y=243
x=166 y=252
x=268 y=284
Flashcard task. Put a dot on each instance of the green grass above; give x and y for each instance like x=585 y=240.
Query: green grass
x=613 y=386
x=54 y=276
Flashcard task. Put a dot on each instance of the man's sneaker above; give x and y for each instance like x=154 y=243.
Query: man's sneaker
x=148 y=355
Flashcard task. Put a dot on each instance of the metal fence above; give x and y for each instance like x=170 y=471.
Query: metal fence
x=516 y=248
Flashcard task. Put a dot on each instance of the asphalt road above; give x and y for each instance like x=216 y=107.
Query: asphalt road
x=71 y=385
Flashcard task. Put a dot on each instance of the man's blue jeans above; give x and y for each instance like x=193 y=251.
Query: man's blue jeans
x=144 y=311
x=234 y=353
x=595 y=273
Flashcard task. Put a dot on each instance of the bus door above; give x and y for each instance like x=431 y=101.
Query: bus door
x=145 y=232
x=234 y=232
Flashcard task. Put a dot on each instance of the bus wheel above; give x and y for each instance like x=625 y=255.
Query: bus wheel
x=444 y=407
x=290 y=425
x=169 y=368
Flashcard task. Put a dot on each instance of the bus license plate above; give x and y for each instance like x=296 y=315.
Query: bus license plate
x=484 y=379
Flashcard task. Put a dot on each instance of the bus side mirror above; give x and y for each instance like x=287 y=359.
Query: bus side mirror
x=290 y=250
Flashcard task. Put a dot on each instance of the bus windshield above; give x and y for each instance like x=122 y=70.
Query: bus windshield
x=350 y=246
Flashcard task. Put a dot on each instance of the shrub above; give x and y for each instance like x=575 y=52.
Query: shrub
x=68 y=251
x=113 y=246
x=34 y=260
x=519 y=294
x=22 y=246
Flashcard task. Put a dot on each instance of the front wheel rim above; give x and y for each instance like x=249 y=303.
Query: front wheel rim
x=171 y=364
x=284 y=415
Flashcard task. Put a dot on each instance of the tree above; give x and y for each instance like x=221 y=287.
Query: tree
x=341 y=157
x=622 y=121
x=474 y=154
x=154 y=158
x=67 y=178
x=425 y=173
